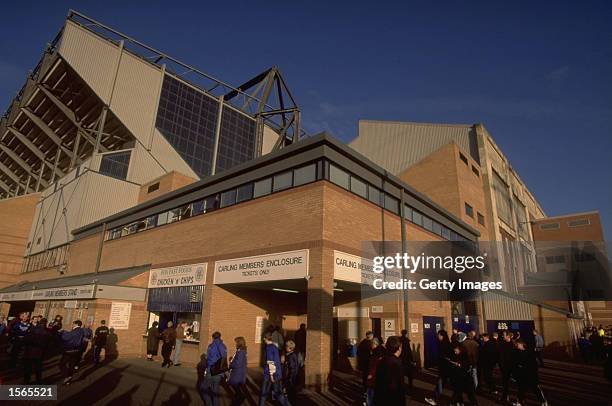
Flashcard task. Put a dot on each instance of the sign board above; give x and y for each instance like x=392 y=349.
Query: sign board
x=352 y=268
x=120 y=315
x=259 y=324
x=377 y=309
x=414 y=327
x=181 y=275
x=388 y=334
x=389 y=324
x=353 y=312
x=71 y=292
x=270 y=267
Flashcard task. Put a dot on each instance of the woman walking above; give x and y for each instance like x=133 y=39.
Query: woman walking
x=238 y=366
x=152 y=341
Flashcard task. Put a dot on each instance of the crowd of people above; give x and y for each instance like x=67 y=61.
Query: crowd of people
x=32 y=339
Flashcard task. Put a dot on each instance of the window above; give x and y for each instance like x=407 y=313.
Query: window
x=236 y=140
x=469 y=210
x=115 y=164
x=407 y=212
x=427 y=223
x=151 y=222
x=558 y=259
x=305 y=174
x=283 y=181
x=417 y=218
x=197 y=208
x=162 y=218
x=359 y=188
x=228 y=198
x=579 y=223
x=187 y=118
x=339 y=177
x=585 y=257
x=446 y=233
x=392 y=204
x=521 y=217
x=437 y=228
x=463 y=158
x=549 y=226
x=476 y=172
x=211 y=203
x=152 y=188
x=245 y=192
x=174 y=215
x=262 y=187
x=480 y=219
x=374 y=195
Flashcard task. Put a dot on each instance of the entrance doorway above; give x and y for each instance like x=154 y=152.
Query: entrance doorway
x=431 y=326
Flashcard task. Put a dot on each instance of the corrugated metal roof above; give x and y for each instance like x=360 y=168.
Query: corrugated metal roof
x=397 y=145
x=101 y=278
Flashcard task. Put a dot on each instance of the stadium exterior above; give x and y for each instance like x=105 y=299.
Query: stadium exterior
x=137 y=188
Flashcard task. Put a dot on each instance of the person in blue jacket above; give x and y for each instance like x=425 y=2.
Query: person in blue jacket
x=18 y=332
x=272 y=374
x=238 y=367
x=72 y=342
x=216 y=356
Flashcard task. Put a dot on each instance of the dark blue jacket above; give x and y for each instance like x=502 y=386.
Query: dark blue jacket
x=238 y=368
x=272 y=355
x=20 y=329
x=216 y=350
x=73 y=339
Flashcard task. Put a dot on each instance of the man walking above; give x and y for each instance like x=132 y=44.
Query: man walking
x=216 y=355
x=18 y=332
x=272 y=374
x=72 y=342
x=100 y=337
x=36 y=344
x=364 y=351
x=168 y=337
x=407 y=360
x=470 y=347
x=389 y=386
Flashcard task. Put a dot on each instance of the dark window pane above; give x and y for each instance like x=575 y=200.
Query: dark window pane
x=282 y=181
x=211 y=203
x=446 y=233
x=262 y=187
x=417 y=218
x=407 y=212
x=228 y=198
x=115 y=164
x=236 y=140
x=245 y=192
x=427 y=223
x=437 y=228
x=304 y=175
x=188 y=120
x=197 y=208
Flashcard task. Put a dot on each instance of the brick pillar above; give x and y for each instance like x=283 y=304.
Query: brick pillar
x=319 y=319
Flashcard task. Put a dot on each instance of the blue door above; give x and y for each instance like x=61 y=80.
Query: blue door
x=431 y=326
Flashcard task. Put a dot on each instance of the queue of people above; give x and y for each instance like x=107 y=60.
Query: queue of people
x=463 y=358
x=32 y=339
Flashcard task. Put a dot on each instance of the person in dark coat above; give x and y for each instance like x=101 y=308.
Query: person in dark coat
x=291 y=371
x=389 y=386
x=217 y=366
x=238 y=371
x=363 y=358
x=460 y=375
x=470 y=347
x=168 y=338
x=526 y=373
x=488 y=358
x=300 y=340
x=72 y=342
x=506 y=362
x=36 y=343
x=378 y=352
x=201 y=383
x=152 y=341
x=444 y=354
x=17 y=333
x=407 y=359
x=272 y=374
x=99 y=341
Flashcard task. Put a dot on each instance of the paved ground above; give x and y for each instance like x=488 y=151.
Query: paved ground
x=139 y=382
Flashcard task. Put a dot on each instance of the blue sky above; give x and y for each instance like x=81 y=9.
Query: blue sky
x=537 y=74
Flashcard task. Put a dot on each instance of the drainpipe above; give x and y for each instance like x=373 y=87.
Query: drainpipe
x=404 y=251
